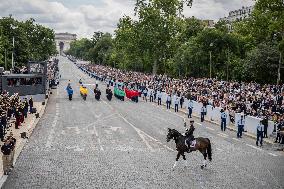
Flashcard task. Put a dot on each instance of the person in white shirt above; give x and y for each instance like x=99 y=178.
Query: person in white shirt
x=169 y=99
x=190 y=108
x=203 y=112
x=151 y=92
x=223 y=120
x=241 y=124
x=176 y=101
x=259 y=132
x=145 y=92
x=159 y=95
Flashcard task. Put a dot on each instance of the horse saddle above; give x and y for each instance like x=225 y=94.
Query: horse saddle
x=190 y=143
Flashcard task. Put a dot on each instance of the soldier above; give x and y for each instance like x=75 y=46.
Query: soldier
x=6 y=149
x=241 y=124
x=259 y=132
x=190 y=108
x=223 y=120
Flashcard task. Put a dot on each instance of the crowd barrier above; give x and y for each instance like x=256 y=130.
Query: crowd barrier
x=214 y=114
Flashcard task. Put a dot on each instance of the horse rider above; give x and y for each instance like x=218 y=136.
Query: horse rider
x=189 y=136
x=259 y=132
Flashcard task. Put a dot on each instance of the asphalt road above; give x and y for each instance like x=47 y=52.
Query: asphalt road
x=102 y=144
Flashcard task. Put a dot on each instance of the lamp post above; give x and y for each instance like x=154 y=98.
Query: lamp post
x=228 y=63
x=13 y=42
x=280 y=58
x=210 y=54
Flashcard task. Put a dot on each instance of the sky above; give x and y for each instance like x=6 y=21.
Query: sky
x=84 y=17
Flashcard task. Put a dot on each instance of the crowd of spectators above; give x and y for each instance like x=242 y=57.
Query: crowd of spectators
x=13 y=110
x=53 y=72
x=12 y=82
x=263 y=101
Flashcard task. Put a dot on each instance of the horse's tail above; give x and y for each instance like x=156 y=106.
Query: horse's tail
x=209 y=150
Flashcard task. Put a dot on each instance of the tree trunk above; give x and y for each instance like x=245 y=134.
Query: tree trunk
x=155 y=67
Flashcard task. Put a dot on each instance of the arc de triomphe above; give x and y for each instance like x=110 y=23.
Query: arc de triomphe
x=63 y=41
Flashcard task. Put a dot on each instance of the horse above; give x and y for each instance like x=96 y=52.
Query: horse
x=202 y=144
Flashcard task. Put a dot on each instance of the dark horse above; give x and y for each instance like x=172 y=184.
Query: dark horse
x=202 y=144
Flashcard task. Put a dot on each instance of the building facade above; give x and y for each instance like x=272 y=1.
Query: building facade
x=238 y=15
x=63 y=41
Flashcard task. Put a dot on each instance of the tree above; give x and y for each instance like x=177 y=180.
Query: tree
x=32 y=41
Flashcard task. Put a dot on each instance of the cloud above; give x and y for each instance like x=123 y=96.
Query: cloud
x=86 y=16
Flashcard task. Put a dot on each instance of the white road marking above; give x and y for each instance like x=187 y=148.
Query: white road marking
x=198 y=123
x=254 y=147
x=114 y=128
x=235 y=139
x=210 y=128
x=219 y=149
x=52 y=131
x=222 y=135
x=138 y=132
x=97 y=135
x=273 y=154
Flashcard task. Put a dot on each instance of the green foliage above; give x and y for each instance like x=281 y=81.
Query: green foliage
x=32 y=41
x=161 y=40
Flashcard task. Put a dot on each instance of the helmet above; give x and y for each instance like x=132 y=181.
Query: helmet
x=191 y=121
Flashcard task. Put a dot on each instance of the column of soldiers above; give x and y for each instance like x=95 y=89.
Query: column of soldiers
x=12 y=110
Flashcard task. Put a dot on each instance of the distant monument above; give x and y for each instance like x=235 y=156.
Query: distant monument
x=63 y=41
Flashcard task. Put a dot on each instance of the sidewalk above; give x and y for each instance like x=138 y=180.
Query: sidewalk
x=28 y=127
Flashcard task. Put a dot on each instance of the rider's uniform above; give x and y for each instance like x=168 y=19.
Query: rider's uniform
x=189 y=135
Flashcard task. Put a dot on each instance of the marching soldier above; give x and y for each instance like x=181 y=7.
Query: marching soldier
x=223 y=120
x=241 y=124
x=259 y=132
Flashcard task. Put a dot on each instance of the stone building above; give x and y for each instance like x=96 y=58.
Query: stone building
x=63 y=41
x=238 y=15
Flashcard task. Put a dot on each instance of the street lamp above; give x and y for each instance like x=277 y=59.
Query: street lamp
x=13 y=41
x=280 y=58
x=210 y=54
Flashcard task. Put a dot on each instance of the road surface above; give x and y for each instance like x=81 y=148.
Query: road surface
x=91 y=144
